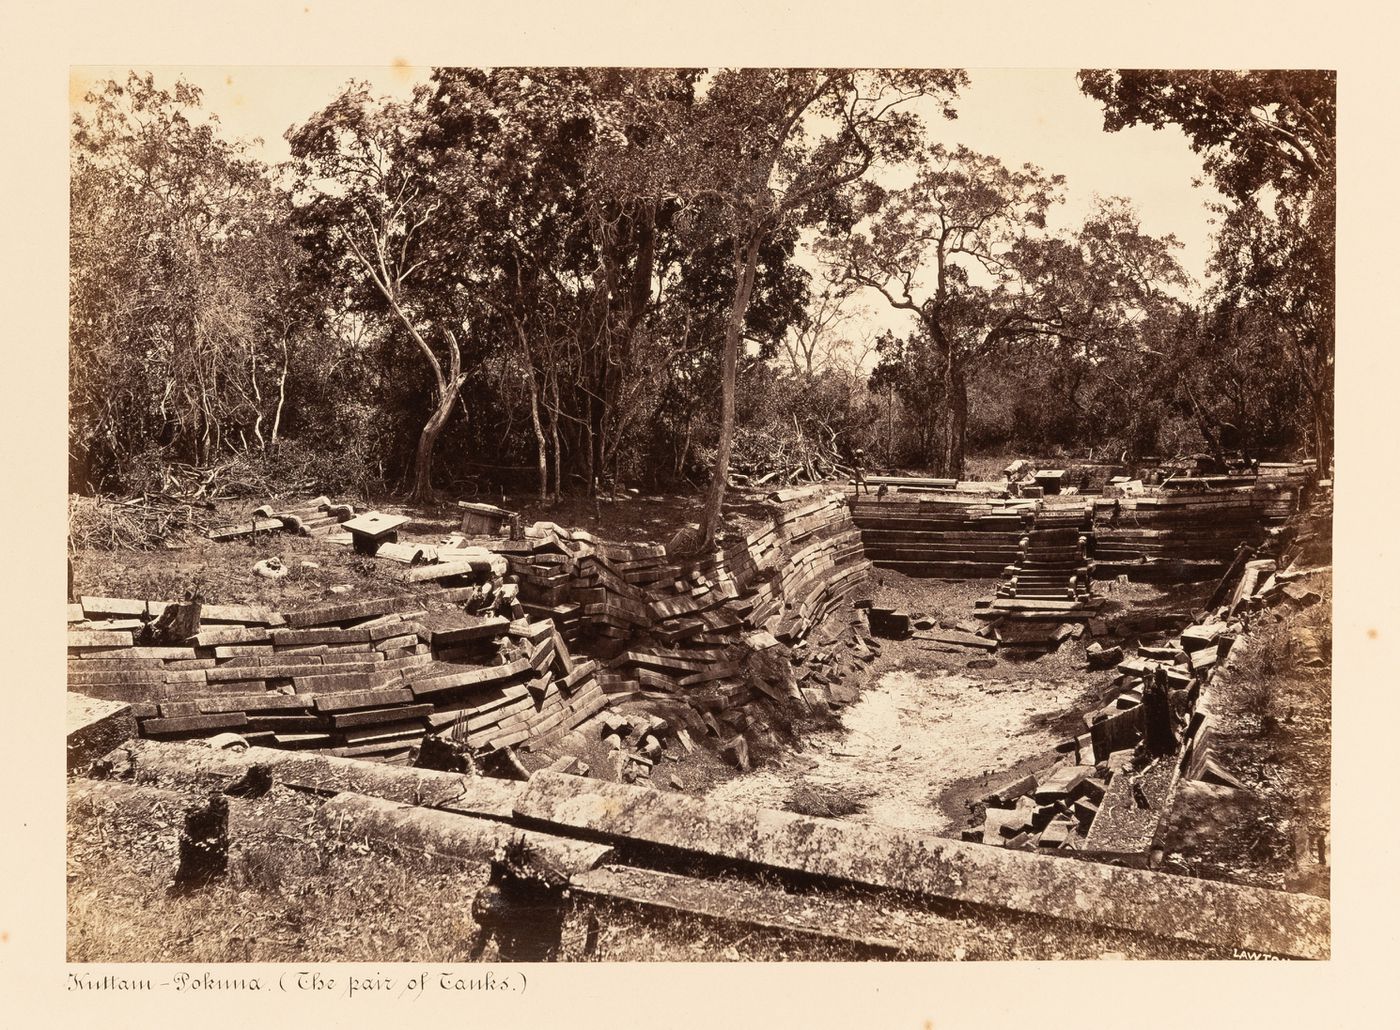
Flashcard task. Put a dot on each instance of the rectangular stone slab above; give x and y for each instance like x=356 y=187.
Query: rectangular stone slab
x=394 y=824
x=246 y=528
x=109 y=606
x=375 y=716
x=163 y=653
x=1144 y=902
x=83 y=678
x=746 y=904
x=372 y=698
x=428 y=687
x=94 y=727
x=1123 y=825
x=318 y=635
x=99 y=638
x=444 y=628
x=211 y=637
x=448 y=567
x=200 y=765
x=324 y=615
x=196 y=723
x=374 y=524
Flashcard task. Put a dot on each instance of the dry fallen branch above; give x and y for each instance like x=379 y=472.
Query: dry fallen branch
x=138 y=523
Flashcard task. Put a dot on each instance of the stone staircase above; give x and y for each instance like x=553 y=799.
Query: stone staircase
x=1053 y=561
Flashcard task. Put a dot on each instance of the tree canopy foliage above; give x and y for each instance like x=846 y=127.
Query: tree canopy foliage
x=569 y=279
x=1268 y=140
x=182 y=280
x=965 y=250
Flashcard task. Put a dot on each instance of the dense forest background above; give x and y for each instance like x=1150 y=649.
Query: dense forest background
x=565 y=280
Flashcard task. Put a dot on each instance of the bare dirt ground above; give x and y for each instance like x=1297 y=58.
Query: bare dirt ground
x=910 y=738
x=222 y=571
x=932 y=733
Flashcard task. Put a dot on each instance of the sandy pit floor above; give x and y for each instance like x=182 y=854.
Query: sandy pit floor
x=912 y=736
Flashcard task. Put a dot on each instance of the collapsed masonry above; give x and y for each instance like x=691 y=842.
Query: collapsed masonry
x=364 y=679
x=731 y=636
x=493 y=662
x=1108 y=796
x=739 y=640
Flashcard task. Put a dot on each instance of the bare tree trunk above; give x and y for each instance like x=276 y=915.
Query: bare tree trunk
x=685 y=447
x=540 y=445
x=953 y=455
x=889 y=426
x=257 y=407
x=1322 y=432
x=745 y=265
x=558 y=488
x=427 y=440
x=449 y=387
x=541 y=450
x=590 y=468
x=281 y=394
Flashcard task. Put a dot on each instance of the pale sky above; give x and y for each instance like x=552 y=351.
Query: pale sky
x=1019 y=115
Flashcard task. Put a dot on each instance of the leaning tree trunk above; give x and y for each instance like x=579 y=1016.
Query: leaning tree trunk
x=446 y=386
x=281 y=394
x=427 y=440
x=257 y=405
x=745 y=266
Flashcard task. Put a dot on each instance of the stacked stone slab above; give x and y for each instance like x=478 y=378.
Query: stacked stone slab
x=363 y=679
x=1200 y=529
x=1169 y=533
x=371 y=678
x=687 y=629
x=940 y=536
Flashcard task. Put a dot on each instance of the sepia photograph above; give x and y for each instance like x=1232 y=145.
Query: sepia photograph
x=622 y=513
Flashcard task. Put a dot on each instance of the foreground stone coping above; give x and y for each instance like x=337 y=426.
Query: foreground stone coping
x=1162 y=904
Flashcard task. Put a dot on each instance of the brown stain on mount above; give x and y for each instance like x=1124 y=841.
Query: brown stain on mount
x=78 y=87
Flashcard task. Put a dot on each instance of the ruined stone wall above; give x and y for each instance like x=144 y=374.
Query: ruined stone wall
x=362 y=679
x=1167 y=535
x=490 y=660
x=691 y=630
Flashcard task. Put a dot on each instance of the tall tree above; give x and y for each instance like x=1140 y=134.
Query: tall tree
x=947 y=249
x=567 y=257
x=374 y=214
x=964 y=249
x=1268 y=142
x=765 y=151
x=180 y=267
